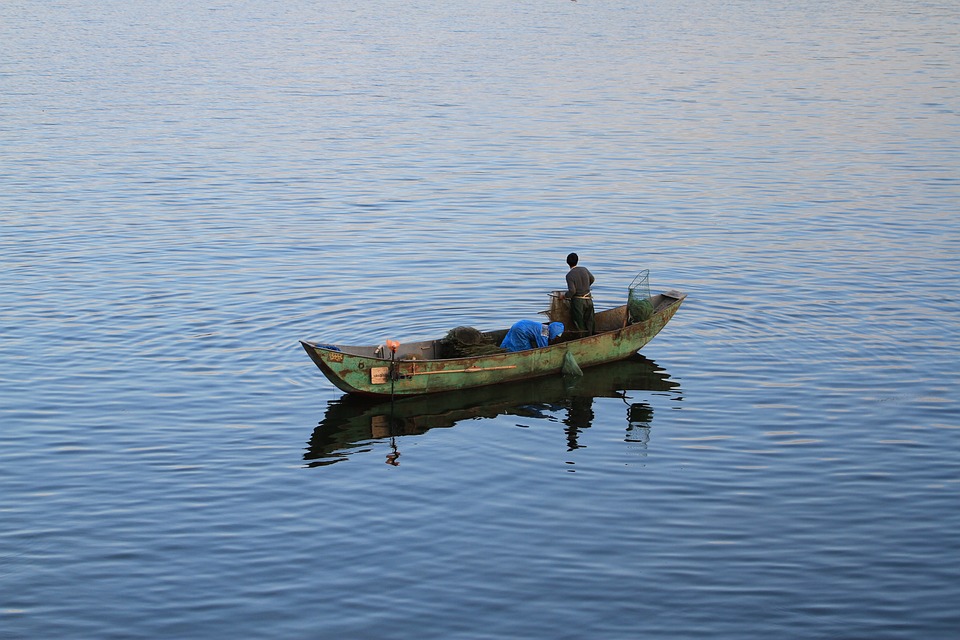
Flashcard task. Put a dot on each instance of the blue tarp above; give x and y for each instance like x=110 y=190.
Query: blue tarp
x=528 y=334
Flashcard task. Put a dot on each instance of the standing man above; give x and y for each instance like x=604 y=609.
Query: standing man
x=579 y=280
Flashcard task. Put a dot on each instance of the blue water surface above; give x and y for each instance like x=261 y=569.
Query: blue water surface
x=189 y=189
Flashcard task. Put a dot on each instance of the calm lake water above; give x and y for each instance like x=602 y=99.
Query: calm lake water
x=188 y=189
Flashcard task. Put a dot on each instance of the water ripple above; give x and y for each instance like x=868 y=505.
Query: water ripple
x=188 y=191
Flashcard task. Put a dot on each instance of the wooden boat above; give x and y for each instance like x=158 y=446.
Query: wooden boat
x=352 y=424
x=420 y=367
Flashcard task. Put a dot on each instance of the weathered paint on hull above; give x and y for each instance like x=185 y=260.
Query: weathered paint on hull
x=383 y=377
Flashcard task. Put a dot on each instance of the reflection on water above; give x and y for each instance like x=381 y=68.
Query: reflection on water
x=351 y=424
x=639 y=419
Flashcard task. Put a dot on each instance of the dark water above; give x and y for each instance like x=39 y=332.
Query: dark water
x=186 y=190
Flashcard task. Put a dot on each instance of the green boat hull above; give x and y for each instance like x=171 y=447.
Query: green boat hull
x=414 y=369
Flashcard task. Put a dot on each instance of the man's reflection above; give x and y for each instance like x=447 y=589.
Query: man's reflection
x=579 y=417
x=639 y=419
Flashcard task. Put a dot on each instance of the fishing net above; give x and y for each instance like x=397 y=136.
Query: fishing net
x=559 y=309
x=465 y=336
x=463 y=342
x=639 y=306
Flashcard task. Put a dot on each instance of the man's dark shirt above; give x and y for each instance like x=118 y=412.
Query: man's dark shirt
x=579 y=280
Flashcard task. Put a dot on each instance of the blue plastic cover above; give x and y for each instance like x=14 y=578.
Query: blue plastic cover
x=528 y=334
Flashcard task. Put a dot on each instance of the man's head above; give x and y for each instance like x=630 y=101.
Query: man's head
x=572 y=260
x=554 y=330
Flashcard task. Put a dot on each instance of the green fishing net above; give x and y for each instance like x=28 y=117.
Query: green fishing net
x=464 y=342
x=639 y=306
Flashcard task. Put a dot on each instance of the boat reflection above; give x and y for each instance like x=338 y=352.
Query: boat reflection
x=352 y=424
